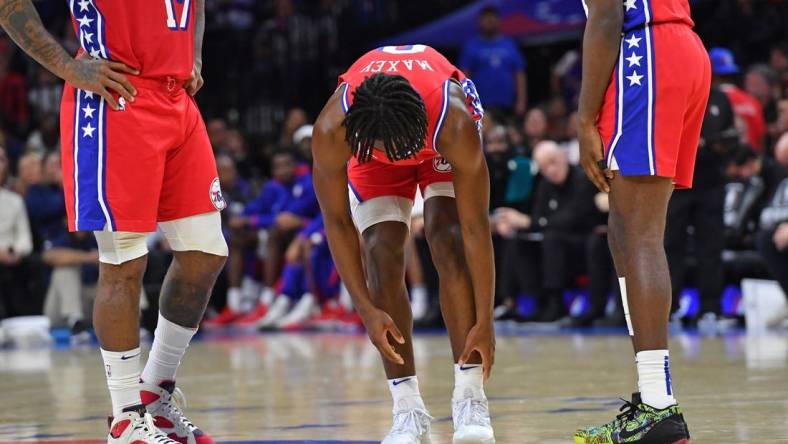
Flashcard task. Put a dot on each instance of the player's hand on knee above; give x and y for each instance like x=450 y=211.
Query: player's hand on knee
x=592 y=158
x=379 y=326
x=101 y=77
x=480 y=339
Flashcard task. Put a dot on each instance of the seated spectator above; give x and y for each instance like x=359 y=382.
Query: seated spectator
x=29 y=173
x=773 y=238
x=762 y=83
x=285 y=205
x=565 y=213
x=534 y=127
x=73 y=258
x=16 y=243
x=748 y=109
x=46 y=137
x=45 y=202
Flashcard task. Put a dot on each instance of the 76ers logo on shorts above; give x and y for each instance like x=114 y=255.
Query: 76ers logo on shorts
x=215 y=194
x=441 y=165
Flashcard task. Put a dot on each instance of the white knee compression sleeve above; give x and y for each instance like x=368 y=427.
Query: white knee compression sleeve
x=202 y=232
x=120 y=246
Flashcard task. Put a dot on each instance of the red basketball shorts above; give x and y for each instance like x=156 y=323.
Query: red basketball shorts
x=381 y=192
x=653 y=110
x=151 y=161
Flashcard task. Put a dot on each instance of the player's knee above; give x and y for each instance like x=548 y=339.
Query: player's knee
x=119 y=247
x=384 y=246
x=202 y=232
x=446 y=246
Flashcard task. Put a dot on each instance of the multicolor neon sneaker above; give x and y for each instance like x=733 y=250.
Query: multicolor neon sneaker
x=639 y=423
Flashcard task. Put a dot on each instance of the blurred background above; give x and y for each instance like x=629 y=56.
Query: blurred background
x=270 y=65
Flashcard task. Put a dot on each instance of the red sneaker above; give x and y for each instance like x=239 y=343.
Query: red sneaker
x=250 y=320
x=225 y=317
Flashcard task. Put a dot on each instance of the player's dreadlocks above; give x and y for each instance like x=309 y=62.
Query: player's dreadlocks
x=386 y=108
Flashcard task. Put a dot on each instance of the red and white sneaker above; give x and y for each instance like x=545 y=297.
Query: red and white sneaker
x=223 y=319
x=135 y=427
x=330 y=315
x=251 y=319
x=164 y=403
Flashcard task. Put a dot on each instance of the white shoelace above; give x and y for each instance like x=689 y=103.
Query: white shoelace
x=147 y=426
x=411 y=422
x=472 y=411
x=173 y=403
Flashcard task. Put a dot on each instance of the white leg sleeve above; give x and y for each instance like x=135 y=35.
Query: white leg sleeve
x=202 y=232
x=117 y=247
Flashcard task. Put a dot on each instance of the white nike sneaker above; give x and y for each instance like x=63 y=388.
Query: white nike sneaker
x=411 y=426
x=164 y=403
x=276 y=311
x=471 y=416
x=134 y=427
x=302 y=311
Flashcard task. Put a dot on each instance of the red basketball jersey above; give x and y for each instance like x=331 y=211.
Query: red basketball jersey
x=154 y=36
x=428 y=72
x=639 y=13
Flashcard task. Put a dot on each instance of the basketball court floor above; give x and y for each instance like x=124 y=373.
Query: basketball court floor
x=330 y=388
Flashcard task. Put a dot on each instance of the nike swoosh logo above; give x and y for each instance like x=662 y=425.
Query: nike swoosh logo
x=468 y=367
x=626 y=434
x=124 y=357
x=401 y=381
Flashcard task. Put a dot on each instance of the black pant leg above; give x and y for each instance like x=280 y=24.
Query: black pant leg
x=776 y=261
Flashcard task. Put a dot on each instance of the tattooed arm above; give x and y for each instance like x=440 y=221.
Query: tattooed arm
x=22 y=23
x=195 y=83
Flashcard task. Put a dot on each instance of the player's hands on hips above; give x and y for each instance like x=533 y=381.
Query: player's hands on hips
x=195 y=82
x=379 y=326
x=481 y=339
x=591 y=156
x=100 y=76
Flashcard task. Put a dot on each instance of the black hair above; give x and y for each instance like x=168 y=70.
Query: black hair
x=386 y=108
x=489 y=9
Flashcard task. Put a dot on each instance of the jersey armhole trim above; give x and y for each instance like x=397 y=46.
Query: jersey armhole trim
x=345 y=102
x=442 y=116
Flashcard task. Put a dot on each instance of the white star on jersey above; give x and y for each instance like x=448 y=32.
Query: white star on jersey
x=89 y=37
x=633 y=42
x=634 y=60
x=88 y=94
x=95 y=53
x=634 y=79
x=83 y=5
x=87 y=131
x=84 y=21
x=88 y=111
x=630 y=4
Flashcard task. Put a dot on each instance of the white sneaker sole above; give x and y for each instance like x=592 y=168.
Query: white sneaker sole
x=456 y=440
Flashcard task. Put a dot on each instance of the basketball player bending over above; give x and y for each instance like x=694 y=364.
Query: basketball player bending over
x=130 y=163
x=646 y=81
x=380 y=136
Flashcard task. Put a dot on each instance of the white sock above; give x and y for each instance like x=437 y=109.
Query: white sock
x=468 y=381
x=235 y=299
x=123 y=378
x=169 y=345
x=405 y=393
x=654 y=383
